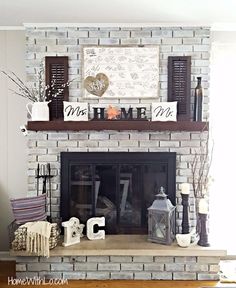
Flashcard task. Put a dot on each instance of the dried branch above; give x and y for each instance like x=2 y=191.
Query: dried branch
x=200 y=167
x=40 y=92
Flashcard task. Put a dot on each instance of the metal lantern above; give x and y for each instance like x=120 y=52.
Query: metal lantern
x=161 y=220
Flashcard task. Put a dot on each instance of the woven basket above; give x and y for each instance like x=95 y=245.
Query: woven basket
x=19 y=242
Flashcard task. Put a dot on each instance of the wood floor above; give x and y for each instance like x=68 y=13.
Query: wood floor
x=7 y=269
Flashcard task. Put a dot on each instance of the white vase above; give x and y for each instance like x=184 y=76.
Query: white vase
x=39 y=111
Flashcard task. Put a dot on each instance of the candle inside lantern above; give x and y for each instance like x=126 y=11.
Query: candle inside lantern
x=203 y=206
x=185 y=188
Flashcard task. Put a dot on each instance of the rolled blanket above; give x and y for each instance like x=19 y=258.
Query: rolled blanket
x=37 y=239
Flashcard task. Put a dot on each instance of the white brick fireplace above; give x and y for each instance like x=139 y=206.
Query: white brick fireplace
x=46 y=146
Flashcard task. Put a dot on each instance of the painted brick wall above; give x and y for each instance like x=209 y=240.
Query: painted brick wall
x=68 y=41
x=119 y=267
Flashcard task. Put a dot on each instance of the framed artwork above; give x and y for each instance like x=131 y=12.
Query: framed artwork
x=121 y=72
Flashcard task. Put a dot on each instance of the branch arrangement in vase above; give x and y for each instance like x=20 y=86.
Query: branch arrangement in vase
x=39 y=93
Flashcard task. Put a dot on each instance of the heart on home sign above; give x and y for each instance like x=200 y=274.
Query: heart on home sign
x=96 y=85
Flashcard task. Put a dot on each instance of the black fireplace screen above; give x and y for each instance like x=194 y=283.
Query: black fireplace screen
x=117 y=185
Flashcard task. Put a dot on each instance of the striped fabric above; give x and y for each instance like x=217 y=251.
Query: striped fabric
x=29 y=209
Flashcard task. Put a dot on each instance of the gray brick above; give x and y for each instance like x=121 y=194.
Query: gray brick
x=122 y=275
x=192 y=41
x=202 y=33
x=78 y=136
x=139 y=136
x=119 y=136
x=162 y=33
x=20 y=267
x=160 y=136
x=109 y=266
x=120 y=259
x=77 y=34
x=196 y=267
x=23 y=275
x=51 y=259
x=130 y=41
x=99 y=34
x=68 y=143
x=56 y=34
x=162 y=276
x=164 y=259
x=62 y=267
x=57 y=136
x=131 y=266
x=180 y=136
x=45 y=41
x=154 y=267
x=183 y=33
x=172 y=41
x=98 y=275
x=98 y=136
x=56 y=48
x=67 y=41
x=108 y=144
x=142 y=34
x=170 y=144
x=88 y=41
x=182 y=48
x=129 y=143
x=174 y=267
x=41 y=143
x=37 y=151
x=98 y=259
x=47 y=158
x=186 y=259
x=207 y=276
x=26 y=259
x=142 y=259
x=208 y=260
x=109 y=41
x=119 y=34
x=88 y=144
x=184 y=276
x=50 y=275
x=214 y=268
x=201 y=48
x=38 y=267
x=150 y=41
x=74 y=259
x=74 y=275
x=142 y=276
x=86 y=266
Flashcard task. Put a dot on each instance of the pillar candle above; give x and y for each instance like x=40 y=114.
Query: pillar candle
x=203 y=206
x=185 y=188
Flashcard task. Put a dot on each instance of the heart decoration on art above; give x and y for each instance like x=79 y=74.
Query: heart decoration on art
x=96 y=85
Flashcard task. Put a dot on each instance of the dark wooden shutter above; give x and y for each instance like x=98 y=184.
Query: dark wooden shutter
x=57 y=70
x=179 y=84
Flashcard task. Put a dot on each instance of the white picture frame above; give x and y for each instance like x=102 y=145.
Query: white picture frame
x=133 y=72
x=75 y=111
x=164 y=111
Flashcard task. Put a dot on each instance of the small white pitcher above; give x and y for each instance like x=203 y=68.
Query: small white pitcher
x=39 y=111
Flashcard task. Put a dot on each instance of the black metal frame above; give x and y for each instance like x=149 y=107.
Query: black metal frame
x=114 y=158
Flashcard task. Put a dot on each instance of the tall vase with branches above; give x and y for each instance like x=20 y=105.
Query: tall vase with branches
x=200 y=168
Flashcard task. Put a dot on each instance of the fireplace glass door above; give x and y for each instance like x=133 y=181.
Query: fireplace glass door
x=118 y=186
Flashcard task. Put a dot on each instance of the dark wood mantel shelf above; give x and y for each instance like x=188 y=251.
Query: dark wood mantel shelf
x=118 y=125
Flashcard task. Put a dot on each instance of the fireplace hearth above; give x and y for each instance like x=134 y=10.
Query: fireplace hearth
x=117 y=185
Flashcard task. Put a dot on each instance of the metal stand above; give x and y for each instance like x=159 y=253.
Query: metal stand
x=44 y=172
x=203 y=241
x=185 y=220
